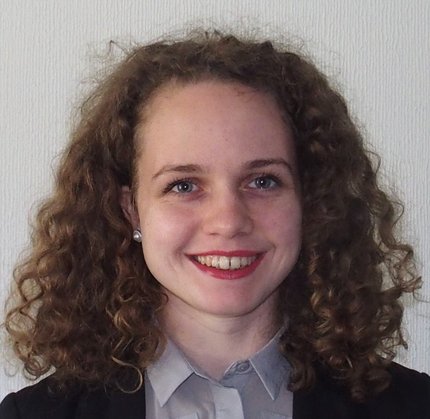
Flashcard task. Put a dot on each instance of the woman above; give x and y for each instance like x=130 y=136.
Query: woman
x=217 y=246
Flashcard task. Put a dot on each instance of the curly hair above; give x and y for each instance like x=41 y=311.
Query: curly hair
x=87 y=301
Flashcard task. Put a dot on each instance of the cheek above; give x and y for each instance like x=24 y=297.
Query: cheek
x=165 y=227
x=285 y=229
x=283 y=221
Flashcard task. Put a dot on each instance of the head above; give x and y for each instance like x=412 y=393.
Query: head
x=332 y=287
x=217 y=198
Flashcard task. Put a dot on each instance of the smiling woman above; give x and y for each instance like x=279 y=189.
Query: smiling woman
x=265 y=275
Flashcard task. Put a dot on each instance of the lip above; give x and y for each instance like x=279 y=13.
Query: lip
x=228 y=274
x=230 y=253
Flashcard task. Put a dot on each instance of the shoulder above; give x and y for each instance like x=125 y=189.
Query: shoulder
x=409 y=393
x=408 y=396
x=41 y=401
x=402 y=375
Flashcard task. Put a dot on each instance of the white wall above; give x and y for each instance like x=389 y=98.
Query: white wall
x=378 y=51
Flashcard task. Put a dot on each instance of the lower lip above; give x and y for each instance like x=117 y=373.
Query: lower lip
x=229 y=274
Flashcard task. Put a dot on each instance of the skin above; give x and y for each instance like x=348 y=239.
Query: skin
x=216 y=173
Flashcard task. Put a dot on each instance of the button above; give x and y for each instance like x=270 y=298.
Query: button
x=243 y=366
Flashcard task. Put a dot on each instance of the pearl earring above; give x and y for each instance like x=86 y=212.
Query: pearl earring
x=137 y=235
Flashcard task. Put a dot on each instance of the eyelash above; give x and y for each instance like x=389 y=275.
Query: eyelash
x=271 y=176
x=176 y=182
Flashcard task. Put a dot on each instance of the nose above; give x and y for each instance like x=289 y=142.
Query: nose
x=227 y=214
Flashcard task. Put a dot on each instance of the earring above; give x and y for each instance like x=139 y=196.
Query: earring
x=137 y=235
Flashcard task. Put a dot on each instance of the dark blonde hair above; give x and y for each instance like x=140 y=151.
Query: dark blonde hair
x=87 y=301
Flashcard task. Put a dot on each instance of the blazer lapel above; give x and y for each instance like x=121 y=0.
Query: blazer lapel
x=325 y=400
x=127 y=405
x=115 y=405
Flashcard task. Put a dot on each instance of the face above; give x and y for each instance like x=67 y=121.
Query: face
x=217 y=197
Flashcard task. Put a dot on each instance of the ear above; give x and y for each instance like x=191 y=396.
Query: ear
x=128 y=207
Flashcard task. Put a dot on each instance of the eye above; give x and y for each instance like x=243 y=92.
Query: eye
x=182 y=186
x=264 y=182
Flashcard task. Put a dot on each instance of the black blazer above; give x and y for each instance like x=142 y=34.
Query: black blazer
x=408 y=397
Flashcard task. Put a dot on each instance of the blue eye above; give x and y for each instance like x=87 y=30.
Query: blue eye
x=264 y=182
x=183 y=187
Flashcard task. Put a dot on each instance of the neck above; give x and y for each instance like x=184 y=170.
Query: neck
x=212 y=342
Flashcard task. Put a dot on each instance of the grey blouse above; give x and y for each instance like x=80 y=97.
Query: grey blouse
x=255 y=388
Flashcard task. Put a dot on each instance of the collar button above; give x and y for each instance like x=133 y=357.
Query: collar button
x=243 y=367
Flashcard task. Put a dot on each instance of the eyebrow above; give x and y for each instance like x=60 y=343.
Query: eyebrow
x=182 y=168
x=260 y=163
x=195 y=168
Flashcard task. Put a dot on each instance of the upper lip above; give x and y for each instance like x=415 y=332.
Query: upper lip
x=228 y=253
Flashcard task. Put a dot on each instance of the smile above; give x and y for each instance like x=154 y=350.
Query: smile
x=228 y=265
x=225 y=263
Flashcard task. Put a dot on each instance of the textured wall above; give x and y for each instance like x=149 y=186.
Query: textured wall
x=377 y=51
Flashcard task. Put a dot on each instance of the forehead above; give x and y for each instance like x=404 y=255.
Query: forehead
x=215 y=93
x=213 y=117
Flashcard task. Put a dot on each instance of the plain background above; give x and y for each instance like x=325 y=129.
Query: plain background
x=377 y=52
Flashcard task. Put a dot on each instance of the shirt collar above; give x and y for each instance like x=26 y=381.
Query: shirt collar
x=271 y=366
x=168 y=372
x=172 y=369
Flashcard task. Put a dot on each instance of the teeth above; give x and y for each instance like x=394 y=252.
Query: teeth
x=235 y=262
x=224 y=262
x=214 y=262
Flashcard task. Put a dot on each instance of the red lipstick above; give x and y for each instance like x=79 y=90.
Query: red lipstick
x=229 y=253
x=229 y=274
